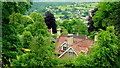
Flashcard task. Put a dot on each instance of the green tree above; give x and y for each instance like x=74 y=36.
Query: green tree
x=37 y=39
x=10 y=40
x=26 y=20
x=26 y=39
x=84 y=60
x=106 y=49
x=15 y=19
x=38 y=23
x=75 y=26
x=80 y=28
x=107 y=15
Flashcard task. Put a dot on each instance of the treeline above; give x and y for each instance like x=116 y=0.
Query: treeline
x=41 y=6
x=75 y=26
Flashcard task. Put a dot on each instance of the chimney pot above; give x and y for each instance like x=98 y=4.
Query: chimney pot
x=58 y=32
x=95 y=37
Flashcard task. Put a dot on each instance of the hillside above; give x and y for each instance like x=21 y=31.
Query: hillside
x=64 y=10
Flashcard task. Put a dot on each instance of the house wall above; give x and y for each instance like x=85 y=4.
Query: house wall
x=66 y=56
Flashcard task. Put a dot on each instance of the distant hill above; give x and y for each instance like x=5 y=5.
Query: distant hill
x=64 y=10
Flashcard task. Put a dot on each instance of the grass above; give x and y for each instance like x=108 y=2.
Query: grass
x=78 y=7
x=69 y=5
x=92 y=5
x=58 y=16
x=89 y=6
x=62 y=8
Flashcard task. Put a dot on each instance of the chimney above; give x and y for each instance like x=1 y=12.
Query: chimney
x=95 y=37
x=51 y=31
x=58 y=32
x=77 y=34
x=70 y=39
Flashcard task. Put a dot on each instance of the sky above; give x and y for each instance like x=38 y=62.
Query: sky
x=66 y=0
x=60 y=0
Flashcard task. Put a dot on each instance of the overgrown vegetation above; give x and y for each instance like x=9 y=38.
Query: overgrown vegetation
x=26 y=40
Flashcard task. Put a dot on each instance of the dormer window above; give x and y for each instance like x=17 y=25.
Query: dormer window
x=64 y=46
x=71 y=53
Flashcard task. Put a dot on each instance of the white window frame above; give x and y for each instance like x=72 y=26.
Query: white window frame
x=64 y=45
x=70 y=52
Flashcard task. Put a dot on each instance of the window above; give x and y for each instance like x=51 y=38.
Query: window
x=71 y=53
x=64 y=48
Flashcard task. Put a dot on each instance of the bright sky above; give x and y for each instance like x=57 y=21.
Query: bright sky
x=66 y=0
x=60 y=0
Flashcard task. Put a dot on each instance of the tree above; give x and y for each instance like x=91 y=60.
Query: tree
x=10 y=44
x=50 y=21
x=36 y=38
x=66 y=25
x=105 y=15
x=108 y=15
x=80 y=28
x=91 y=22
x=26 y=39
x=75 y=26
x=11 y=41
x=84 y=60
x=106 y=49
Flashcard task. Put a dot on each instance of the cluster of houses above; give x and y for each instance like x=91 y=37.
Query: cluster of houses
x=71 y=45
x=78 y=13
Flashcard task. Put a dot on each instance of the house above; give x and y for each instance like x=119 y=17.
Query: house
x=71 y=45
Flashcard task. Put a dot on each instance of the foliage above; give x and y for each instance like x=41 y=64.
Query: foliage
x=92 y=34
x=106 y=49
x=103 y=12
x=27 y=59
x=107 y=15
x=26 y=20
x=75 y=26
x=80 y=28
x=35 y=37
x=11 y=42
x=84 y=60
x=26 y=39
x=14 y=7
x=30 y=31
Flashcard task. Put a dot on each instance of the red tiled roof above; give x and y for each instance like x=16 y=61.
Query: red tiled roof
x=78 y=45
x=62 y=39
x=82 y=45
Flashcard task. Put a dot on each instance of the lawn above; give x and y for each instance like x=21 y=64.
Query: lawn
x=56 y=16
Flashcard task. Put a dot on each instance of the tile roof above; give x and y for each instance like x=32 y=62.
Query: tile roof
x=67 y=50
x=76 y=35
x=81 y=44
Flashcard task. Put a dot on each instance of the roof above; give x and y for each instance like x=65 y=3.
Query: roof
x=76 y=35
x=80 y=36
x=68 y=50
x=81 y=44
